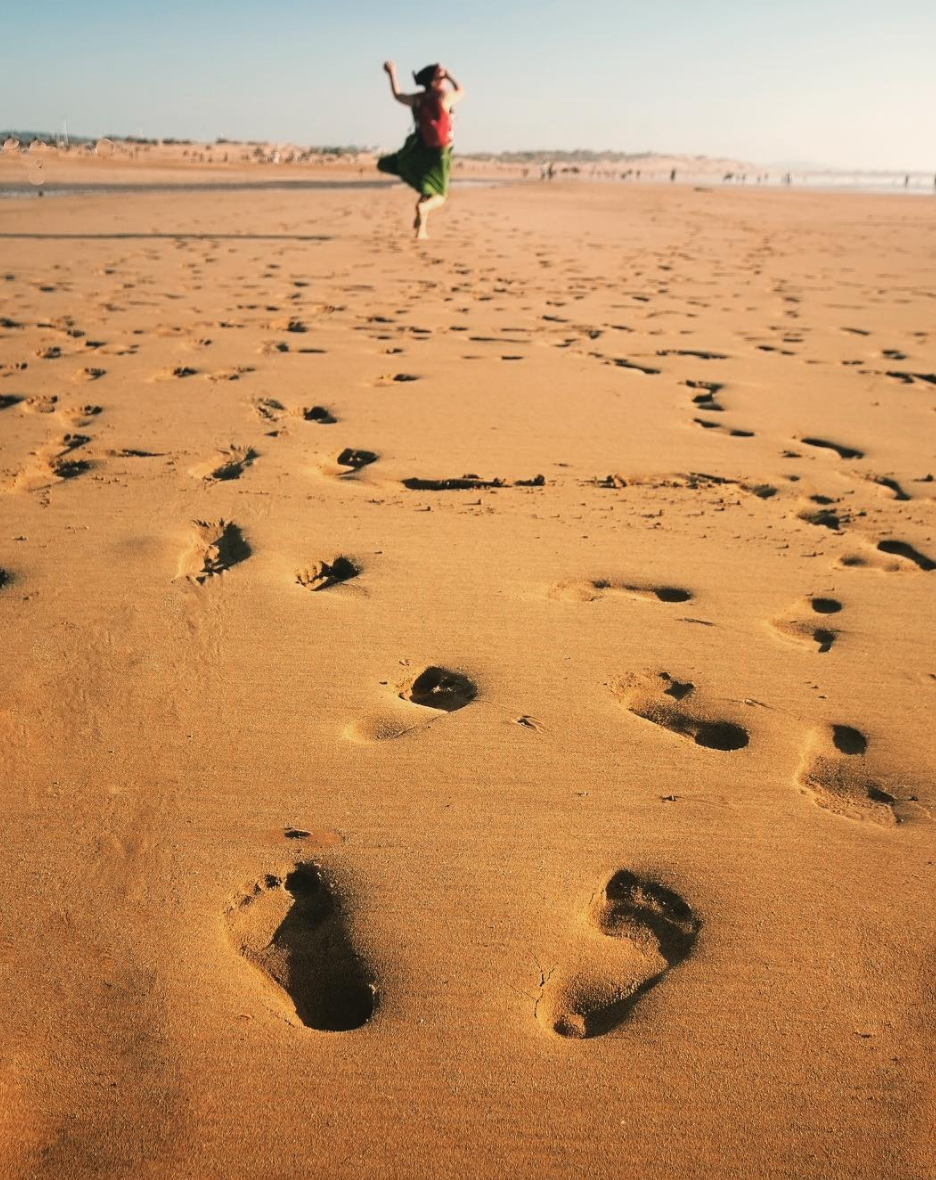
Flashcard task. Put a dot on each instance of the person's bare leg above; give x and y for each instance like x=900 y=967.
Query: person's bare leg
x=424 y=206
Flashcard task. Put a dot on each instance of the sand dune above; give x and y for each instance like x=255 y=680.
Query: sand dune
x=467 y=710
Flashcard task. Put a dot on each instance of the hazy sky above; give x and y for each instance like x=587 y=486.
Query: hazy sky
x=836 y=82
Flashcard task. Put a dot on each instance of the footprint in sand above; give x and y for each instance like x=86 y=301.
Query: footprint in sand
x=233 y=373
x=87 y=374
x=731 y=431
x=319 y=414
x=53 y=464
x=230 y=463
x=216 y=546
x=635 y=931
x=80 y=415
x=433 y=690
x=808 y=623
x=268 y=409
x=291 y=929
x=839 y=449
x=890 y=556
x=833 y=770
x=705 y=396
x=349 y=462
x=439 y=688
x=588 y=590
x=888 y=484
x=42 y=404
x=669 y=703
x=320 y=575
x=174 y=373
x=822 y=512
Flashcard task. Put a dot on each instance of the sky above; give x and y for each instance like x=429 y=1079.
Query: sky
x=836 y=83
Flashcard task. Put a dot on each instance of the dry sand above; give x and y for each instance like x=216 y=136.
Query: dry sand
x=522 y=766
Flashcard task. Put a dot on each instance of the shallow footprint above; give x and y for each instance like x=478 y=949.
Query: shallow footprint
x=587 y=590
x=636 y=931
x=291 y=929
x=661 y=699
x=806 y=624
x=833 y=771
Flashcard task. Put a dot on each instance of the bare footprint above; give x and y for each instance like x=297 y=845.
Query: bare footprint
x=216 y=546
x=230 y=463
x=890 y=556
x=319 y=414
x=323 y=574
x=636 y=931
x=174 y=373
x=54 y=463
x=439 y=688
x=843 y=452
x=587 y=590
x=833 y=771
x=670 y=704
x=807 y=623
x=269 y=409
x=291 y=929
x=434 y=690
x=348 y=464
x=719 y=428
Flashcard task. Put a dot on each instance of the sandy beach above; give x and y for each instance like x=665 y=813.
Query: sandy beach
x=467 y=709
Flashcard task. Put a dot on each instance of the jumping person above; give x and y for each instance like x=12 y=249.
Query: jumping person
x=425 y=159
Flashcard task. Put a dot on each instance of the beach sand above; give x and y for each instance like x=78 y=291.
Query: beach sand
x=467 y=709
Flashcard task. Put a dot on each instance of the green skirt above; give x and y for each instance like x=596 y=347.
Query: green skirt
x=426 y=169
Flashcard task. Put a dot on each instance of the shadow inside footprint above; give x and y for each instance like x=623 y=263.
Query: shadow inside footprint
x=356 y=459
x=218 y=545
x=308 y=953
x=908 y=553
x=319 y=414
x=323 y=574
x=843 y=784
x=653 y=930
x=439 y=688
x=651 y=698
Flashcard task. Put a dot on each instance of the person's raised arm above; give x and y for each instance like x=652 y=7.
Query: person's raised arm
x=456 y=94
x=390 y=70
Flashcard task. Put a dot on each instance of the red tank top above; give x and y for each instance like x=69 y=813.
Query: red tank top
x=434 y=122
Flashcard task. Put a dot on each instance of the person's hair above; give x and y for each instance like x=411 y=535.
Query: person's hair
x=425 y=75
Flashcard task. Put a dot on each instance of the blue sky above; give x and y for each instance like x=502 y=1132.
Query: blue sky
x=847 y=84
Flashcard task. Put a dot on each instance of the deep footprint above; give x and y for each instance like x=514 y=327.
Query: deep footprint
x=658 y=698
x=226 y=465
x=356 y=459
x=323 y=574
x=842 y=451
x=291 y=929
x=440 y=688
x=218 y=545
x=638 y=930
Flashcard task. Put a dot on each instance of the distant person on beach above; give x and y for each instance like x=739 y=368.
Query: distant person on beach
x=425 y=159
